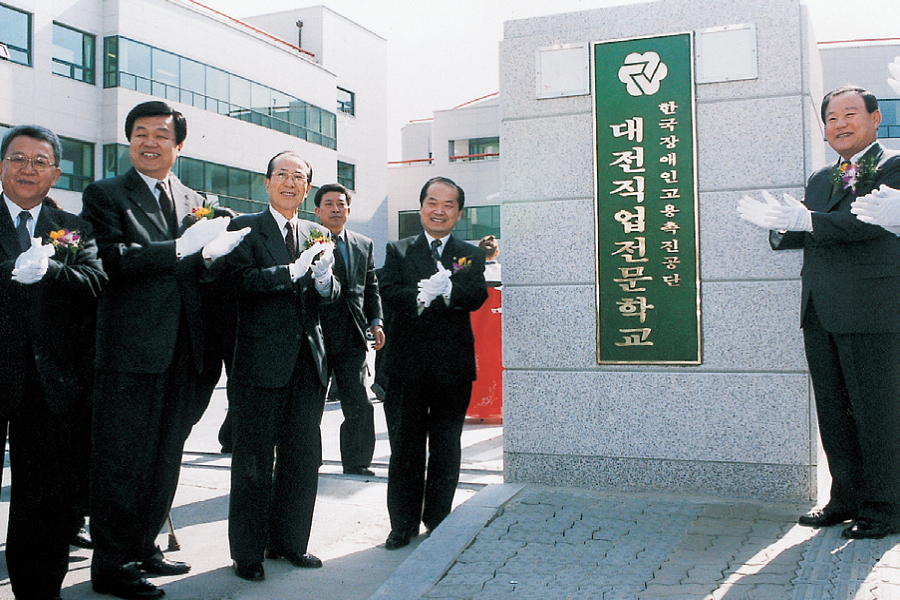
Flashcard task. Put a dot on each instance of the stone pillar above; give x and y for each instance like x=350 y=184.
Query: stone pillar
x=742 y=423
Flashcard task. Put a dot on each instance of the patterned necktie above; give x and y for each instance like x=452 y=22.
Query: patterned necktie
x=22 y=230
x=436 y=251
x=168 y=209
x=290 y=241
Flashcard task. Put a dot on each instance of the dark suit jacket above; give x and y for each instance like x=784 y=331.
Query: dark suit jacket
x=275 y=315
x=141 y=308
x=52 y=320
x=439 y=342
x=360 y=303
x=851 y=269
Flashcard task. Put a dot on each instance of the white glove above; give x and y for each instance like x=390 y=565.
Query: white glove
x=200 y=234
x=224 y=243
x=32 y=265
x=790 y=216
x=881 y=207
x=321 y=269
x=438 y=284
x=300 y=266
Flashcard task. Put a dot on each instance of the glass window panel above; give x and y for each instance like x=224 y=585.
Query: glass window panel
x=73 y=53
x=346 y=101
x=258 y=187
x=191 y=173
x=15 y=32
x=409 y=223
x=260 y=98
x=110 y=62
x=239 y=91
x=193 y=76
x=239 y=183
x=134 y=58
x=165 y=67
x=216 y=84
x=216 y=179
x=346 y=175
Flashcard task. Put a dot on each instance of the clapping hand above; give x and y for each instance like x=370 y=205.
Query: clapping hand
x=200 y=234
x=32 y=265
x=881 y=207
x=771 y=214
x=321 y=269
x=430 y=288
x=306 y=258
x=224 y=243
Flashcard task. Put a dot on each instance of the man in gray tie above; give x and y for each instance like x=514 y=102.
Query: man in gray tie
x=345 y=323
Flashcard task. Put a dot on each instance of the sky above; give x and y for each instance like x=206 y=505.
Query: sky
x=443 y=53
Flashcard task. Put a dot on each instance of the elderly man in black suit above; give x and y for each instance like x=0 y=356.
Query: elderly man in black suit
x=50 y=276
x=345 y=323
x=849 y=314
x=279 y=373
x=431 y=282
x=150 y=348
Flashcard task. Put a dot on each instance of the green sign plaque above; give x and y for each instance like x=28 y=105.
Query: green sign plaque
x=648 y=288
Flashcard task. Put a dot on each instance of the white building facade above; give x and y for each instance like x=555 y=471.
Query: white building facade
x=79 y=66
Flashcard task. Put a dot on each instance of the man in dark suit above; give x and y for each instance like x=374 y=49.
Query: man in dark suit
x=278 y=376
x=344 y=324
x=150 y=348
x=849 y=314
x=47 y=298
x=431 y=283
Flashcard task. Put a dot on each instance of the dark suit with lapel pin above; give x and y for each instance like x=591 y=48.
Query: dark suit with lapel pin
x=851 y=285
x=277 y=392
x=431 y=367
x=344 y=324
x=150 y=352
x=47 y=331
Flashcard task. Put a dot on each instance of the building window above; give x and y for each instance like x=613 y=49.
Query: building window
x=474 y=149
x=77 y=165
x=15 y=34
x=73 y=53
x=238 y=189
x=346 y=101
x=476 y=222
x=890 y=119
x=154 y=71
x=346 y=175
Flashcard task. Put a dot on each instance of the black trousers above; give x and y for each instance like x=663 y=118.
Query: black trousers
x=358 y=429
x=140 y=424
x=424 y=413
x=856 y=379
x=37 y=540
x=273 y=507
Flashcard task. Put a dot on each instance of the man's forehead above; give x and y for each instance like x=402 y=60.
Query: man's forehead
x=289 y=162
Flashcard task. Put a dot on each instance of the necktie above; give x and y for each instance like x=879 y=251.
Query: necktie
x=436 y=251
x=289 y=241
x=22 y=230
x=342 y=248
x=168 y=209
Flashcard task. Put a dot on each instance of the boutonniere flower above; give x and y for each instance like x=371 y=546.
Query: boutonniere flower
x=853 y=176
x=207 y=211
x=316 y=237
x=461 y=264
x=66 y=242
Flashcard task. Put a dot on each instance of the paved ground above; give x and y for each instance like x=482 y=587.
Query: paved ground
x=511 y=542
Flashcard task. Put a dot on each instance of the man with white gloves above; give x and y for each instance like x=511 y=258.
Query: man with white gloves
x=150 y=347
x=277 y=382
x=849 y=312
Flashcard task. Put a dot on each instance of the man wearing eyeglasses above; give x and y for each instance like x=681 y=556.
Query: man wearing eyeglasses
x=281 y=276
x=150 y=348
x=47 y=301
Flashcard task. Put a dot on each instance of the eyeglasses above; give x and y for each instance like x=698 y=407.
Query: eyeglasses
x=282 y=176
x=40 y=163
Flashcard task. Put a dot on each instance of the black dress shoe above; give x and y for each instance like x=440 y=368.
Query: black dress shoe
x=359 y=471
x=400 y=538
x=138 y=589
x=301 y=561
x=866 y=529
x=826 y=517
x=162 y=566
x=252 y=571
x=82 y=539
